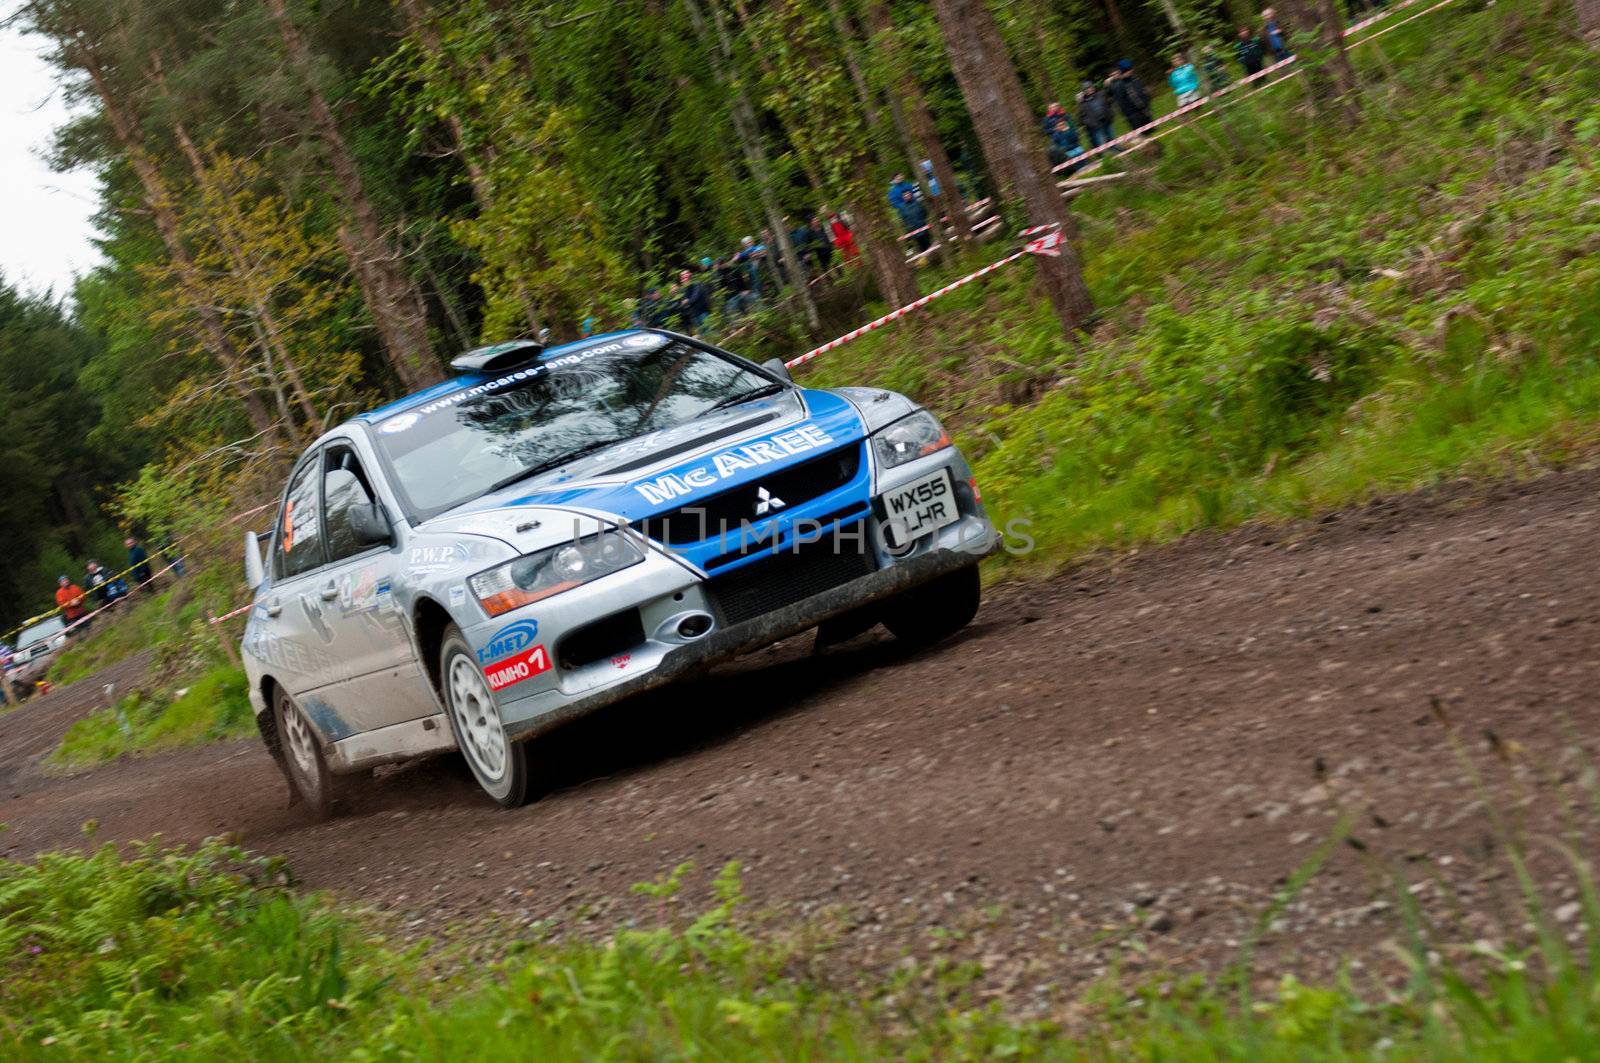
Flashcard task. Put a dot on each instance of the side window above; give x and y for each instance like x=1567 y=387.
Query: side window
x=344 y=486
x=298 y=538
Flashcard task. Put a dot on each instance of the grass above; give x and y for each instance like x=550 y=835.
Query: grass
x=1315 y=321
x=215 y=706
x=208 y=955
x=129 y=629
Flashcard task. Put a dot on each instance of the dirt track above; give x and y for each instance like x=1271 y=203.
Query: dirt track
x=1129 y=757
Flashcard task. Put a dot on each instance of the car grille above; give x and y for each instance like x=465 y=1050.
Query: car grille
x=721 y=514
x=793 y=575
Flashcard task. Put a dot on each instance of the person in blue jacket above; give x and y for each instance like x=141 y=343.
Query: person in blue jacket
x=897 y=190
x=915 y=217
x=1184 y=79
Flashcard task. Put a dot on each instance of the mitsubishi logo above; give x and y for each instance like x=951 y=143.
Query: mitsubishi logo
x=766 y=502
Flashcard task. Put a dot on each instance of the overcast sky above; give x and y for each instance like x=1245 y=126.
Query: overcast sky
x=45 y=232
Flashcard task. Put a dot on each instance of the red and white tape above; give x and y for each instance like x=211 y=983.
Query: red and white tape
x=975 y=216
x=245 y=608
x=1048 y=244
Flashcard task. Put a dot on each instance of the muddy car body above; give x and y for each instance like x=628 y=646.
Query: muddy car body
x=556 y=530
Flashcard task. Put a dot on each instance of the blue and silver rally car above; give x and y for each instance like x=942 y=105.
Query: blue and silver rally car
x=555 y=530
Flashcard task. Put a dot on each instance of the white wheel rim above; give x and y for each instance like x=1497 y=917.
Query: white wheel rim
x=301 y=742
x=477 y=719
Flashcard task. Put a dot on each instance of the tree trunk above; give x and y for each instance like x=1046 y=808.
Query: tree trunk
x=1118 y=27
x=746 y=129
x=994 y=96
x=159 y=202
x=1588 y=19
x=920 y=119
x=845 y=28
x=897 y=281
x=391 y=294
x=1330 y=76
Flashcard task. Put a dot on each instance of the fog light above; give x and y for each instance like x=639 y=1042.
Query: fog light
x=692 y=627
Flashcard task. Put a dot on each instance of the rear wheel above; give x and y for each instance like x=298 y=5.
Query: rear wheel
x=303 y=761
x=499 y=764
x=937 y=609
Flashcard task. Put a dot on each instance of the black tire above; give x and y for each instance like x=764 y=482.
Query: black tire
x=300 y=754
x=500 y=765
x=937 y=609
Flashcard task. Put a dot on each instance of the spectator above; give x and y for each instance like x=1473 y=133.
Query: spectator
x=897 y=190
x=821 y=249
x=138 y=560
x=694 y=300
x=586 y=327
x=1129 y=94
x=1063 y=138
x=737 y=298
x=169 y=550
x=927 y=175
x=1247 y=49
x=1094 y=114
x=69 y=596
x=844 y=240
x=805 y=241
x=649 y=312
x=915 y=217
x=1213 y=74
x=100 y=585
x=1277 y=44
x=1184 y=79
x=750 y=257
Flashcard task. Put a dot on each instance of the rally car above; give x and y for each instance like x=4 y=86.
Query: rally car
x=557 y=529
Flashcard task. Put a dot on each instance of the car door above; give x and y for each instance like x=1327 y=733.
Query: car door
x=376 y=680
x=291 y=638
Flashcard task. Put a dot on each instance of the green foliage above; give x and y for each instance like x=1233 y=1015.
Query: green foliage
x=216 y=706
x=51 y=468
x=1300 y=328
x=206 y=955
x=168 y=954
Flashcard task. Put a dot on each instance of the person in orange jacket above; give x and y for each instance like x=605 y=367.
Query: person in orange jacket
x=69 y=596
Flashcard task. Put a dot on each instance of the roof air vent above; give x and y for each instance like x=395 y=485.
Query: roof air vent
x=498 y=357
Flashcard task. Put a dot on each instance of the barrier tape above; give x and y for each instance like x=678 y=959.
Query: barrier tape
x=975 y=215
x=245 y=608
x=1049 y=244
x=162 y=551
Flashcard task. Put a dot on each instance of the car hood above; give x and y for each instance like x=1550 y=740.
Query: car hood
x=679 y=466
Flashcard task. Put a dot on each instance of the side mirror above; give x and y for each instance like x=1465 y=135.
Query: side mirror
x=255 y=569
x=370 y=525
x=776 y=367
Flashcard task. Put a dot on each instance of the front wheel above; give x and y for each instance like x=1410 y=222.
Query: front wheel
x=499 y=764
x=935 y=610
x=303 y=761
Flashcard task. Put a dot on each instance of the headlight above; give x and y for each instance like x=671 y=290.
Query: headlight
x=909 y=439
x=560 y=568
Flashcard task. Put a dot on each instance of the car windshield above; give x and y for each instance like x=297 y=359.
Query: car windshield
x=40 y=632
x=465 y=444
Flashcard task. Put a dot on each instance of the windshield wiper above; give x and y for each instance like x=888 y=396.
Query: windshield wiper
x=555 y=462
x=746 y=396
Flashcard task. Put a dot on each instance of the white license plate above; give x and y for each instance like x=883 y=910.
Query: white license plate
x=918 y=508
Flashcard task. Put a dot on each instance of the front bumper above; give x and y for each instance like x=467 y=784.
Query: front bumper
x=729 y=642
x=636 y=613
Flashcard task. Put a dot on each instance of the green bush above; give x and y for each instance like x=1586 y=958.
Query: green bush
x=207 y=955
x=216 y=706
